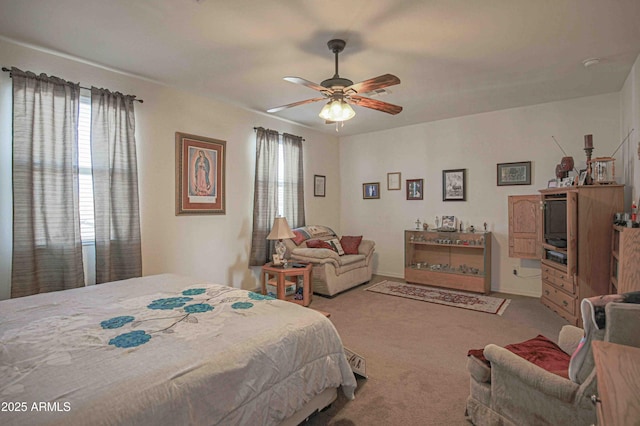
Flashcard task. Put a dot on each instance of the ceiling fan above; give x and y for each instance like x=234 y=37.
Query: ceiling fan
x=341 y=92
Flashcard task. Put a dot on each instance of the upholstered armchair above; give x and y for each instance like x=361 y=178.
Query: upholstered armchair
x=514 y=391
x=338 y=263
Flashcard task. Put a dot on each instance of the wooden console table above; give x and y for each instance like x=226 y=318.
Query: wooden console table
x=281 y=277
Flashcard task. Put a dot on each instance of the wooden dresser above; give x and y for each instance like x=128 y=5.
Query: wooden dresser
x=576 y=265
x=625 y=260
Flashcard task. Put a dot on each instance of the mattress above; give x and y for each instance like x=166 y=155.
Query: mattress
x=163 y=349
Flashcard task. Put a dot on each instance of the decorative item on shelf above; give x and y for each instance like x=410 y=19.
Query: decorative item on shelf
x=565 y=166
x=437 y=222
x=418 y=224
x=425 y=226
x=604 y=170
x=588 y=150
x=279 y=231
x=448 y=224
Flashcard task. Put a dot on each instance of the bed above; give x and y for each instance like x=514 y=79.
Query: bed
x=166 y=349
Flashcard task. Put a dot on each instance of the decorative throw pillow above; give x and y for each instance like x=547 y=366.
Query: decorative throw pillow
x=539 y=351
x=350 y=244
x=319 y=244
x=335 y=244
x=300 y=237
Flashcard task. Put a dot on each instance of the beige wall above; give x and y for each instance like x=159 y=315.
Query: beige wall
x=630 y=122
x=215 y=248
x=476 y=143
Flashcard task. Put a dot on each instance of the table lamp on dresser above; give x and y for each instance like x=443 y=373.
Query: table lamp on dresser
x=279 y=231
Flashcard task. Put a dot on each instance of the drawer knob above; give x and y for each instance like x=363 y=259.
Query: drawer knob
x=564 y=302
x=546 y=292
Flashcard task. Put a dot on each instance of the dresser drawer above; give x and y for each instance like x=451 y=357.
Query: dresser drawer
x=563 y=300
x=558 y=278
x=564 y=282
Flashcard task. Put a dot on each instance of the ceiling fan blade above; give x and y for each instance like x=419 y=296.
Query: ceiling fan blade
x=309 y=84
x=308 y=101
x=375 y=104
x=375 y=83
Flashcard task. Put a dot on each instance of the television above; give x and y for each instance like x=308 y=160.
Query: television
x=555 y=222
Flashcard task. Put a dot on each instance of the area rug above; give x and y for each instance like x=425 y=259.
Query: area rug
x=458 y=299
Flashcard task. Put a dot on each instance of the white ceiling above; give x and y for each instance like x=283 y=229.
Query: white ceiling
x=454 y=57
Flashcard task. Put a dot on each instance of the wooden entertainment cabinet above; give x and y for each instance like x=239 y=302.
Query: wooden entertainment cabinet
x=582 y=268
x=457 y=260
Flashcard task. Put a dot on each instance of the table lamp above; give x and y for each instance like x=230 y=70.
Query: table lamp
x=279 y=231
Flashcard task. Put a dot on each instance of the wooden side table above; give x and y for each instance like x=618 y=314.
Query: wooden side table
x=280 y=277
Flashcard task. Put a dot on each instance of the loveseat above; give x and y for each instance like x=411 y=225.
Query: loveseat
x=338 y=263
x=515 y=391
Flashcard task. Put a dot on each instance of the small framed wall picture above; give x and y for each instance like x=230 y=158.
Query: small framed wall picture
x=393 y=181
x=371 y=190
x=514 y=173
x=454 y=185
x=415 y=189
x=319 y=185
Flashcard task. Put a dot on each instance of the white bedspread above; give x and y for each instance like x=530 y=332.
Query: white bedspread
x=163 y=350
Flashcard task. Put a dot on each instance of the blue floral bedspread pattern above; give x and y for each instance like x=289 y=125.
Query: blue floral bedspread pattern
x=202 y=298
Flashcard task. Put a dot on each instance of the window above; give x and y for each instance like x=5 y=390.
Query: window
x=85 y=177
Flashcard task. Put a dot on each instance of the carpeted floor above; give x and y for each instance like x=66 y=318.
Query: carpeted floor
x=416 y=353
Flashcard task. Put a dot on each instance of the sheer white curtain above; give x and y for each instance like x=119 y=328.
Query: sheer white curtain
x=274 y=192
x=47 y=250
x=115 y=186
x=293 y=182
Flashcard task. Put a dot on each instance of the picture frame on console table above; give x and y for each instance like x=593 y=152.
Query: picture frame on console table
x=454 y=185
x=200 y=175
x=514 y=173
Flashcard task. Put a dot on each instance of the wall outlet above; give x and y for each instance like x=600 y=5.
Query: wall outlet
x=515 y=271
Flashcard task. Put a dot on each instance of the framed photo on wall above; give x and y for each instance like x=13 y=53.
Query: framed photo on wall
x=200 y=175
x=319 y=185
x=454 y=185
x=371 y=190
x=514 y=173
x=393 y=181
x=415 y=189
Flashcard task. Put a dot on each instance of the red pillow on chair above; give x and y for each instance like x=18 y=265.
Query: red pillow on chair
x=319 y=244
x=299 y=237
x=539 y=351
x=350 y=244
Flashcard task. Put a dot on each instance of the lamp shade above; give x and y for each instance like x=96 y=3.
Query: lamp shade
x=280 y=229
x=337 y=110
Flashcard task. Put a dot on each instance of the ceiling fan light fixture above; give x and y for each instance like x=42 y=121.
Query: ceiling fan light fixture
x=337 y=110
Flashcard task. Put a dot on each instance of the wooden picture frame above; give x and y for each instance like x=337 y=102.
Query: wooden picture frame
x=415 y=189
x=319 y=185
x=394 y=181
x=200 y=175
x=514 y=173
x=371 y=190
x=454 y=185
